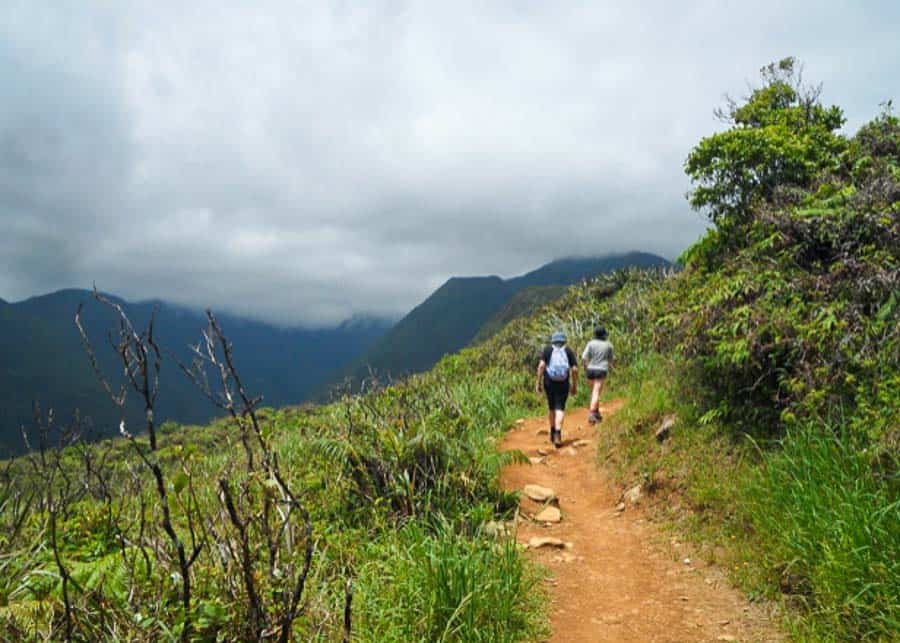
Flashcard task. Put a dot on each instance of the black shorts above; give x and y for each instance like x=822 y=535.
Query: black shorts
x=596 y=373
x=557 y=393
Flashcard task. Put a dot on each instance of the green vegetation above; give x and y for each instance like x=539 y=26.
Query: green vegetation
x=775 y=348
x=454 y=587
x=398 y=486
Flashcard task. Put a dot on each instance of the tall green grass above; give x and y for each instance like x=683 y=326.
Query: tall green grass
x=441 y=585
x=831 y=527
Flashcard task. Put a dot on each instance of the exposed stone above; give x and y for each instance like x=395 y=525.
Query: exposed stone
x=687 y=561
x=545 y=541
x=520 y=421
x=633 y=495
x=542 y=432
x=727 y=637
x=543 y=451
x=538 y=493
x=549 y=514
x=536 y=460
x=620 y=506
x=581 y=443
x=665 y=428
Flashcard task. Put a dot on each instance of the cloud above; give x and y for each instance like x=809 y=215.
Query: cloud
x=301 y=162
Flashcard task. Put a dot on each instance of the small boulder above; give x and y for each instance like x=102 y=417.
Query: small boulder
x=665 y=428
x=545 y=541
x=538 y=493
x=633 y=495
x=520 y=421
x=536 y=460
x=620 y=507
x=549 y=514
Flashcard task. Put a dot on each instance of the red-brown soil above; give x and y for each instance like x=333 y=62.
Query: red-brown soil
x=621 y=579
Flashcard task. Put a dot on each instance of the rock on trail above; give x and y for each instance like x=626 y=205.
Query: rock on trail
x=549 y=514
x=546 y=541
x=538 y=493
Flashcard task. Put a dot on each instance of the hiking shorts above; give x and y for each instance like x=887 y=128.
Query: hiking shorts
x=596 y=373
x=557 y=394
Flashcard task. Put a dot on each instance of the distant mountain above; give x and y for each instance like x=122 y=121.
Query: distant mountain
x=455 y=313
x=524 y=302
x=41 y=358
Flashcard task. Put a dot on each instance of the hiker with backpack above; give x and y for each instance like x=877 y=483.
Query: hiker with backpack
x=557 y=367
x=597 y=357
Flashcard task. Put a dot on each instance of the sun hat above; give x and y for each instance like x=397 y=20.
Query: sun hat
x=558 y=338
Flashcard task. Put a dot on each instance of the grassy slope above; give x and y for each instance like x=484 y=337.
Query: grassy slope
x=399 y=485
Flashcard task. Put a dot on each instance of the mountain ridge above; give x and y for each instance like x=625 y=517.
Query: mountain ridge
x=44 y=360
x=452 y=316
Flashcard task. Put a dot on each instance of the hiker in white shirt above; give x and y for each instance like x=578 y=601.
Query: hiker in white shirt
x=597 y=358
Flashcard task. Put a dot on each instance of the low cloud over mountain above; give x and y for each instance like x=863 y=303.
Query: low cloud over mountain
x=303 y=162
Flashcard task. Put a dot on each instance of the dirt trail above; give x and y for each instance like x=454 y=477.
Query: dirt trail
x=620 y=580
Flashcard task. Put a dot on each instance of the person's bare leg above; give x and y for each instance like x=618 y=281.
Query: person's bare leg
x=597 y=386
x=560 y=415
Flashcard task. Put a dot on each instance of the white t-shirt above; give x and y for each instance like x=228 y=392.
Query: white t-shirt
x=598 y=353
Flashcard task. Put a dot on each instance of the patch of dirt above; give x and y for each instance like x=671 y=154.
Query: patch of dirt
x=612 y=581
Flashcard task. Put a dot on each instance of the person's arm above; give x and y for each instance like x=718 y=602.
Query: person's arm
x=542 y=365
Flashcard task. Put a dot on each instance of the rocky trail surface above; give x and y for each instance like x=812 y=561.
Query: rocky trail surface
x=613 y=575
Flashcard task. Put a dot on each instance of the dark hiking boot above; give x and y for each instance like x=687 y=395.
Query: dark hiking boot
x=556 y=437
x=593 y=417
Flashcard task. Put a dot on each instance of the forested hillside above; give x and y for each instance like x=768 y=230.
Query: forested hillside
x=776 y=351
x=43 y=360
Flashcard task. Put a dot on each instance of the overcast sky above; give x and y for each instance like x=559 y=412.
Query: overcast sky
x=304 y=161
